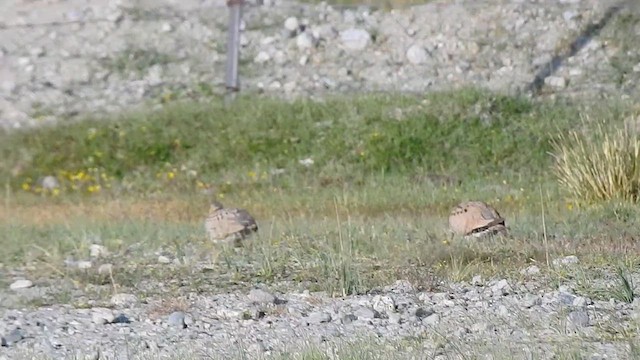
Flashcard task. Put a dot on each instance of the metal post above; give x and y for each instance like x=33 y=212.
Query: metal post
x=232 y=80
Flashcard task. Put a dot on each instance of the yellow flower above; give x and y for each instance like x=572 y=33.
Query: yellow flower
x=55 y=192
x=93 y=188
x=26 y=187
x=171 y=175
x=252 y=175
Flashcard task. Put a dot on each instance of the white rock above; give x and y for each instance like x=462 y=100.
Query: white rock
x=531 y=270
x=101 y=316
x=96 y=251
x=383 y=304
x=50 y=182
x=164 y=260
x=83 y=265
x=166 y=27
x=262 y=57
x=556 y=81
x=355 y=39
x=124 y=300
x=636 y=67
x=21 y=284
x=291 y=24
x=417 y=55
x=567 y=260
x=260 y=296
x=105 y=269
x=304 y=41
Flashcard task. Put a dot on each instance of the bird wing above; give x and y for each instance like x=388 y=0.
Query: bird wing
x=470 y=216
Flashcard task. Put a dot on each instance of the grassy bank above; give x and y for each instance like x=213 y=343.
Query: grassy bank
x=349 y=193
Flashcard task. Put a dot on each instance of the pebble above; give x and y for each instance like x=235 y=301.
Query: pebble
x=417 y=55
x=567 y=260
x=259 y=296
x=366 y=313
x=101 y=316
x=21 y=284
x=177 y=319
x=579 y=318
x=319 y=317
x=98 y=251
x=355 y=39
x=124 y=300
x=13 y=337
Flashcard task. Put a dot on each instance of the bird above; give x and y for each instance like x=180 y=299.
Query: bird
x=228 y=225
x=476 y=219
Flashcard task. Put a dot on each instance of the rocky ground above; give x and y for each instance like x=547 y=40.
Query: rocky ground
x=523 y=318
x=60 y=58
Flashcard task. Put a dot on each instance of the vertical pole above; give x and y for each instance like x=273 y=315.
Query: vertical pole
x=232 y=81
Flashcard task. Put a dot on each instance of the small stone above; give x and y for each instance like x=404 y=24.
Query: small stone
x=121 y=319
x=124 y=300
x=395 y=318
x=477 y=280
x=166 y=27
x=579 y=318
x=304 y=59
x=636 y=67
x=531 y=270
x=97 y=251
x=262 y=57
x=531 y=300
x=21 y=284
x=431 y=320
x=105 y=269
x=348 y=319
x=417 y=55
x=482 y=327
x=164 y=260
x=11 y=338
x=580 y=301
x=319 y=317
x=383 y=304
x=569 y=15
x=422 y=312
x=304 y=41
x=556 y=81
x=257 y=347
x=177 y=319
x=366 y=313
x=259 y=296
x=50 y=182
x=101 y=316
x=567 y=260
x=566 y=298
x=501 y=288
x=291 y=25
x=355 y=39
x=84 y=265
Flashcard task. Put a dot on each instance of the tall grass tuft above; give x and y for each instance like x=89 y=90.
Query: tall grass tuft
x=599 y=165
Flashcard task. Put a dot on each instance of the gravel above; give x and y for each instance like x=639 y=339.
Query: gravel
x=538 y=317
x=62 y=59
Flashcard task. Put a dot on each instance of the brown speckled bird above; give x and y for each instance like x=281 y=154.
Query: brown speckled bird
x=225 y=225
x=476 y=219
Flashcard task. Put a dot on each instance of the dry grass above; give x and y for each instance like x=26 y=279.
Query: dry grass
x=599 y=165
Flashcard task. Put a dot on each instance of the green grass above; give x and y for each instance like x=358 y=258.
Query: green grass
x=463 y=134
x=371 y=208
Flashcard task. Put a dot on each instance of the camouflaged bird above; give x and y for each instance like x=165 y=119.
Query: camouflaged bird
x=228 y=224
x=476 y=219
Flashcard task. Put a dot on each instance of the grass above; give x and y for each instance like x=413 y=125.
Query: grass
x=369 y=209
